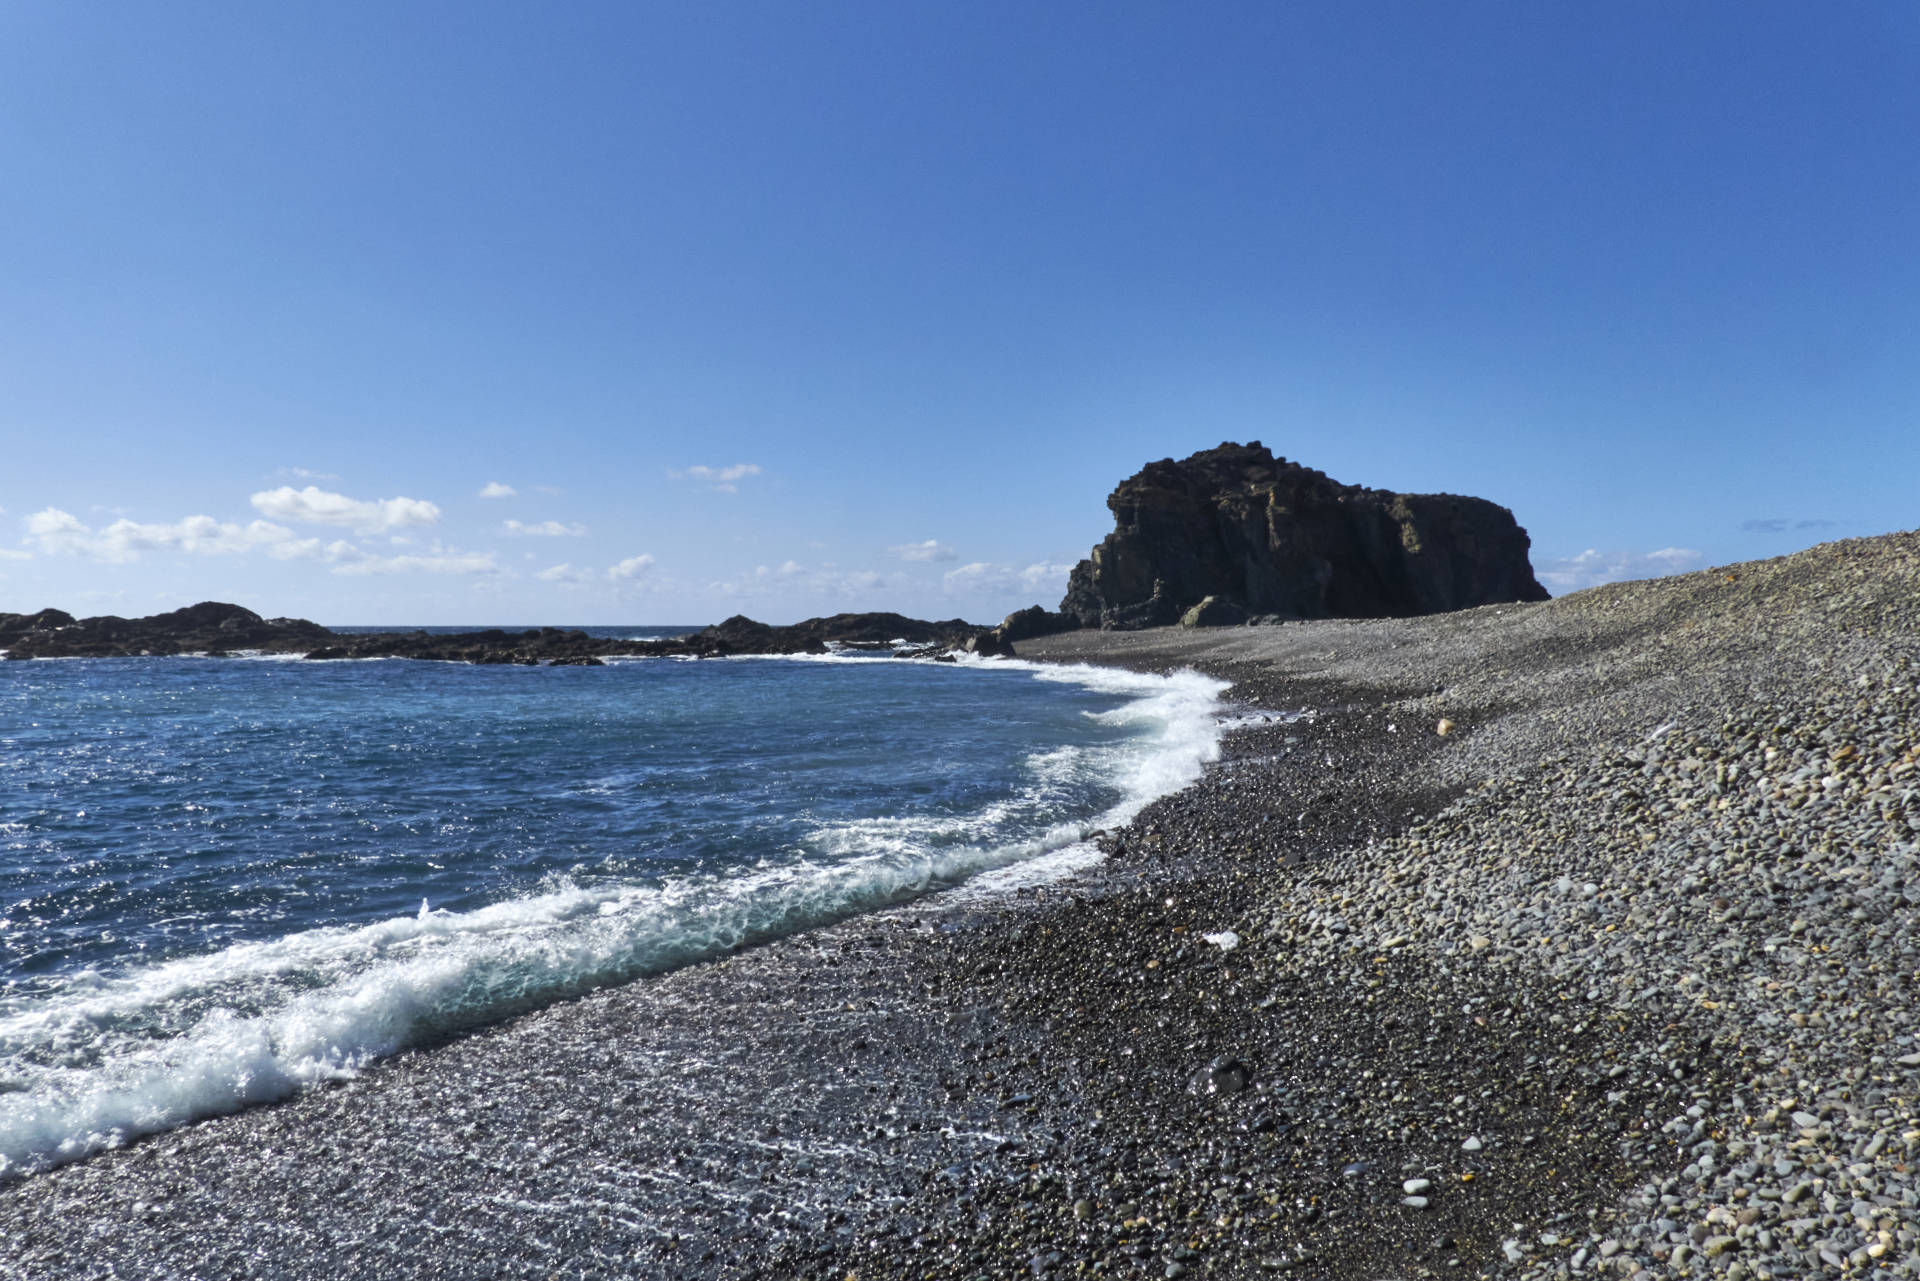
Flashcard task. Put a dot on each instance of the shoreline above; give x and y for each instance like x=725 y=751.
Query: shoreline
x=1071 y=1081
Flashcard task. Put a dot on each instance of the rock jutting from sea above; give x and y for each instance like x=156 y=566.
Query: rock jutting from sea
x=1263 y=537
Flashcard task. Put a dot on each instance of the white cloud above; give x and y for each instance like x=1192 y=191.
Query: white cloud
x=932 y=549
x=357 y=561
x=313 y=549
x=1592 y=567
x=719 y=479
x=61 y=533
x=982 y=578
x=494 y=489
x=565 y=573
x=57 y=531
x=316 y=506
x=633 y=573
x=438 y=562
x=973 y=577
x=303 y=473
x=1046 y=576
x=545 y=529
x=792 y=578
x=630 y=568
x=7 y=553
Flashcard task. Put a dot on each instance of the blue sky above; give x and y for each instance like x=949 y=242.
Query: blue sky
x=787 y=309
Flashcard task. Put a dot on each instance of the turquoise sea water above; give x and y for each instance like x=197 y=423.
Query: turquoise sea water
x=223 y=880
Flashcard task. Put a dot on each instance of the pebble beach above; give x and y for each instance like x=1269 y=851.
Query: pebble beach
x=1552 y=940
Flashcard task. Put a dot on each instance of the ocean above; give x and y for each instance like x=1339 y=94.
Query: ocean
x=226 y=880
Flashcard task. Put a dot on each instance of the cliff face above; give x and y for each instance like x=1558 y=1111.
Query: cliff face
x=1281 y=539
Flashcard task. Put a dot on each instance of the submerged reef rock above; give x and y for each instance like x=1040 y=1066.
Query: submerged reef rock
x=1284 y=541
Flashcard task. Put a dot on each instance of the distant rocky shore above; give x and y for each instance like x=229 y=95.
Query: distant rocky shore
x=218 y=630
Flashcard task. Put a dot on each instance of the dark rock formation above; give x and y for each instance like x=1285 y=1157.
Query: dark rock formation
x=740 y=635
x=1024 y=624
x=209 y=627
x=217 y=630
x=1279 y=539
x=990 y=644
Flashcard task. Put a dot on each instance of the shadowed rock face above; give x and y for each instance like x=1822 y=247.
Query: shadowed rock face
x=1283 y=540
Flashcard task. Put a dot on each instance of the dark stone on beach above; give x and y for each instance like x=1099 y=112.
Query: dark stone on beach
x=1278 y=538
x=1226 y=1075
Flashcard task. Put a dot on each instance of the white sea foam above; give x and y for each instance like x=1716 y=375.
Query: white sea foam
x=1253 y=718
x=107 y=1057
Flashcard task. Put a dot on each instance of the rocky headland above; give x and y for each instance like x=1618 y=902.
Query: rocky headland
x=1559 y=939
x=1248 y=535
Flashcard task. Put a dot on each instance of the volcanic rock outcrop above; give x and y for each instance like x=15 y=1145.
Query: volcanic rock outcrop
x=218 y=629
x=1284 y=541
x=211 y=627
